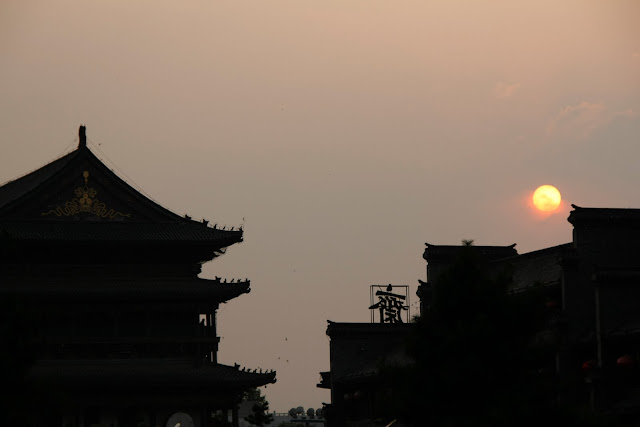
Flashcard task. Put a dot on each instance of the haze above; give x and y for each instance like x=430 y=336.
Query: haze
x=342 y=134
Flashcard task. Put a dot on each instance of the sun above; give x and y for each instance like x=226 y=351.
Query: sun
x=547 y=198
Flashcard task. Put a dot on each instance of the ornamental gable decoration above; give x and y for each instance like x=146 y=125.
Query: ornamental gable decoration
x=85 y=202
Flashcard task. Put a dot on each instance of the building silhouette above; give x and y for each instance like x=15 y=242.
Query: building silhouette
x=357 y=353
x=125 y=328
x=592 y=291
x=591 y=288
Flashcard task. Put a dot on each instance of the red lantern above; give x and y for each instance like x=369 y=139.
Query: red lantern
x=588 y=365
x=625 y=361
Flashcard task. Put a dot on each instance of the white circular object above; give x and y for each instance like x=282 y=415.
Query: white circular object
x=180 y=419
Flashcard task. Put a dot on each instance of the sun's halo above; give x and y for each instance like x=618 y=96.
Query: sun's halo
x=547 y=198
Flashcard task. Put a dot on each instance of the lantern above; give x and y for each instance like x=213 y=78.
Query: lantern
x=625 y=361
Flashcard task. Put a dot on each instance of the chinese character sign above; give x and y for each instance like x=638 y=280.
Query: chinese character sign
x=390 y=305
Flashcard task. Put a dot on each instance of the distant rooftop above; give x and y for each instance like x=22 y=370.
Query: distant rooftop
x=448 y=251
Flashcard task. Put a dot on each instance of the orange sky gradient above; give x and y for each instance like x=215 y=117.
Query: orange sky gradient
x=343 y=134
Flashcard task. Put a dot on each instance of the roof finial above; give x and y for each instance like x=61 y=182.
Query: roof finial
x=82 y=134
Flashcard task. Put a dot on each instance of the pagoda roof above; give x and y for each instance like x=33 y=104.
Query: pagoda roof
x=148 y=374
x=128 y=289
x=78 y=198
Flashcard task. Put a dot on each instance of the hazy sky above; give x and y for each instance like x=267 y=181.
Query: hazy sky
x=344 y=134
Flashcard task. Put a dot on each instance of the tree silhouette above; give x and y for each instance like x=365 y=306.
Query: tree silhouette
x=476 y=362
x=260 y=415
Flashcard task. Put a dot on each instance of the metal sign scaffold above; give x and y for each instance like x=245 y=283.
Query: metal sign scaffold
x=389 y=302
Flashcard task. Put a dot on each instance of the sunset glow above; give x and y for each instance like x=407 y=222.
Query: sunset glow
x=346 y=133
x=547 y=198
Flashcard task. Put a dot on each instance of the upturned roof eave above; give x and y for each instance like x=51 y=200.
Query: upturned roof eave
x=148 y=288
x=146 y=373
x=112 y=231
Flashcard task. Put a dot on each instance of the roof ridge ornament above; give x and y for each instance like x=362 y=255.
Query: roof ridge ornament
x=82 y=137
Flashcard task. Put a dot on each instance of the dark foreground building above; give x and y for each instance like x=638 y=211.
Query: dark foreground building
x=357 y=353
x=592 y=288
x=126 y=330
x=592 y=291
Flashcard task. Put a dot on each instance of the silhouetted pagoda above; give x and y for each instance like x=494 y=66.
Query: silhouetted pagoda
x=126 y=328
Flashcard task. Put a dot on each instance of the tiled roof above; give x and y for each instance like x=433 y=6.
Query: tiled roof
x=149 y=288
x=118 y=231
x=541 y=267
x=12 y=190
x=147 y=373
